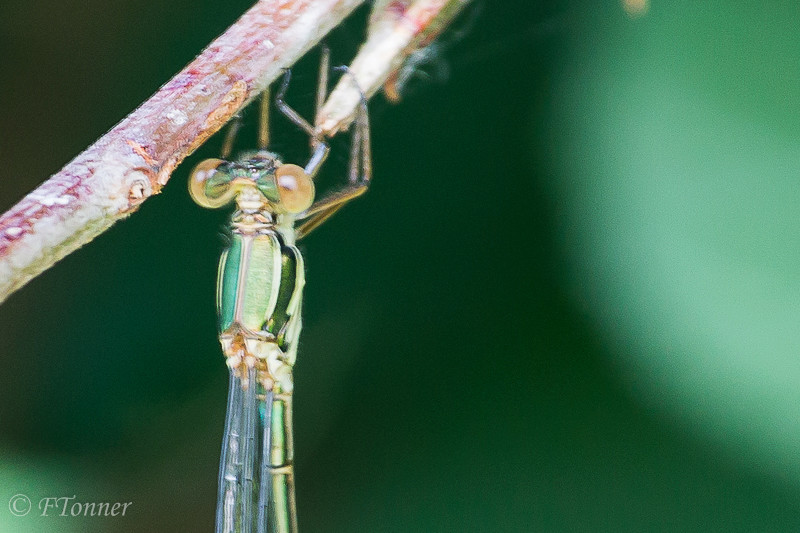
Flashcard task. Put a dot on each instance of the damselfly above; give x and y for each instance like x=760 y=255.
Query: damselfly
x=259 y=299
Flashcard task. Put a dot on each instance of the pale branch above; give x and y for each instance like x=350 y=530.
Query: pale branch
x=134 y=160
x=396 y=30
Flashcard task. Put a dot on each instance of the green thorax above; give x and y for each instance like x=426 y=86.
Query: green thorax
x=259 y=285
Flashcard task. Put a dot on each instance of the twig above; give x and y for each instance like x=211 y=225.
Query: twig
x=396 y=30
x=134 y=160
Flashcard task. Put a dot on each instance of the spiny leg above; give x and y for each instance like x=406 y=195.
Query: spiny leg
x=318 y=145
x=322 y=90
x=318 y=156
x=290 y=113
x=359 y=175
x=230 y=137
x=263 y=120
x=322 y=84
x=236 y=124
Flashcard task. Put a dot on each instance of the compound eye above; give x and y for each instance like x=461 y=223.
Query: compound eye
x=295 y=188
x=210 y=185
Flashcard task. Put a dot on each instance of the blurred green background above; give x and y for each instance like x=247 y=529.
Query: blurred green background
x=569 y=302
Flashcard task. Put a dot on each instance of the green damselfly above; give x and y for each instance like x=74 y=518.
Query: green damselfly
x=259 y=299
